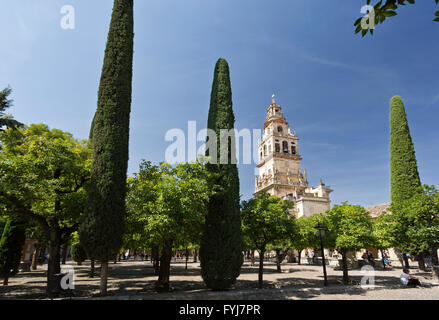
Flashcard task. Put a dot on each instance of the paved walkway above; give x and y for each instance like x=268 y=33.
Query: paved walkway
x=135 y=280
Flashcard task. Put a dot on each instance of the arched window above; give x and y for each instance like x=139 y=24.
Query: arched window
x=265 y=151
x=277 y=147
x=285 y=146
x=279 y=129
x=293 y=149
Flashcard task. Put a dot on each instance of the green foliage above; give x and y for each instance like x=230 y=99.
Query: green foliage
x=11 y=246
x=6 y=120
x=422 y=217
x=305 y=236
x=413 y=225
x=349 y=227
x=78 y=253
x=43 y=174
x=103 y=225
x=41 y=166
x=222 y=242
x=166 y=203
x=266 y=221
x=404 y=175
x=386 y=231
x=383 y=10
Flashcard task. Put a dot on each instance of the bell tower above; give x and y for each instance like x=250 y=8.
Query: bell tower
x=279 y=157
x=279 y=166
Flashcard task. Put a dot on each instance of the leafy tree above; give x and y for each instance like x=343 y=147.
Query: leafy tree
x=384 y=231
x=422 y=212
x=78 y=253
x=382 y=10
x=404 y=175
x=43 y=174
x=305 y=236
x=221 y=250
x=166 y=206
x=38 y=234
x=102 y=227
x=266 y=221
x=3 y=221
x=11 y=247
x=6 y=120
x=349 y=228
x=143 y=192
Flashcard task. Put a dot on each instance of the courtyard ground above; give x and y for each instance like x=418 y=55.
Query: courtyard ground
x=135 y=280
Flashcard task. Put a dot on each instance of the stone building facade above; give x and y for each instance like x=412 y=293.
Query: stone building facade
x=279 y=167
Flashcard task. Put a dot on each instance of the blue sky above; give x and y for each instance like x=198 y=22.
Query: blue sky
x=333 y=85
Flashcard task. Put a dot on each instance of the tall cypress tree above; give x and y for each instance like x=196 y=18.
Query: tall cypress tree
x=404 y=175
x=11 y=246
x=221 y=248
x=102 y=228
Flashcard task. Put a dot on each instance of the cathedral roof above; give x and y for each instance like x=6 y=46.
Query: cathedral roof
x=377 y=210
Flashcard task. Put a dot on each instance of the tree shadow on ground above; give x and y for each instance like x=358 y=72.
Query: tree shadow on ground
x=126 y=279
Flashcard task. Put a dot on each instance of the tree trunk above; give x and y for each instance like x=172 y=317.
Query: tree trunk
x=104 y=278
x=299 y=258
x=6 y=280
x=261 y=268
x=187 y=258
x=195 y=255
x=53 y=265
x=279 y=258
x=54 y=237
x=421 y=263
x=92 y=268
x=165 y=267
x=434 y=257
x=399 y=254
x=252 y=257
x=35 y=257
x=64 y=248
x=344 y=267
x=406 y=261
x=155 y=260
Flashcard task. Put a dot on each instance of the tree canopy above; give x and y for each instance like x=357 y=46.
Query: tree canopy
x=222 y=243
x=266 y=221
x=381 y=11
x=350 y=227
x=6 y=120
x=166 y=207
x=43 y=175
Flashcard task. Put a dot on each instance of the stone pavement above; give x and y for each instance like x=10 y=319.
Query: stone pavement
x=134 y=280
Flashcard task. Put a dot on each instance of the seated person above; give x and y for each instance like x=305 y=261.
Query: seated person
x=387 y=261
x=365 y=257
x=409 y=280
